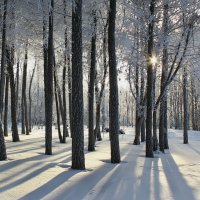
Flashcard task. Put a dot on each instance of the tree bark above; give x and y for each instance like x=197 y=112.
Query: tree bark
x=6 y=107
x=49 y=85
x=185 y=107
x=100 y=94
x=57 y=107
x=91 y=135
x=3 y=155
x=10 y=59
x=65 y=130
x=78 y=157
x=30 y=98
x=25 y=127
x=149 y=143
x=3 y=55
x=113 y=97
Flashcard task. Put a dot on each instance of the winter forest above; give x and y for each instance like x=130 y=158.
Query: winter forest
x=99 y=99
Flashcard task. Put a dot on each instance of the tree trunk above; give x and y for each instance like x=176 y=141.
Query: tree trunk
x=113 y=97
x=149 y=143
x=6 y=107
x=57 y=107
x=138 y=121
x=65 y=130
x=100 y=95
x=166 y=146
x=163 y=102
x=193 y=104
x=25 y=127
x=155 y=138
x=91 y=135
x=30 y=99
x=103 y=114
x=10 y=59
x=17 y=88
x=3 y=61
x=185 y=107
x=142 y=103
x=3 y=155
x=67 y=64
x=78 y=157
x=143 y=131
x=48 y=80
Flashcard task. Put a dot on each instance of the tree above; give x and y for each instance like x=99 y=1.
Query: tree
x=3 y=55
x=185 y=106
x=113 y=97
x=25 y=126
x=10 y=52
x=3 y=155
x=6 y=106
x=65 y=130
x=30 y=98
x=92 y=136
x=48 y=82
x=149 y=144
x=78 y=158
x=99 y=94
x=163 y=103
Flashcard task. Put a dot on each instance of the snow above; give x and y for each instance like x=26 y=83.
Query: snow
x=29 y=174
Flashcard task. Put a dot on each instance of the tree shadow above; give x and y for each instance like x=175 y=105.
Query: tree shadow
x=177 y=184
x=89 y=184
x=50 y=186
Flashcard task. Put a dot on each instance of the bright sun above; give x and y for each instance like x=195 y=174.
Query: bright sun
x=153 y=60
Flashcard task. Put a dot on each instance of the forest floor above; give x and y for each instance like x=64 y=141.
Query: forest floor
x=29 y=174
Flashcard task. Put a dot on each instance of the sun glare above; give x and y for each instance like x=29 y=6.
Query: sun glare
x=153 y=60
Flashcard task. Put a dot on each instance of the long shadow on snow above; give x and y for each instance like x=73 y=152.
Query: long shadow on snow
x=84 y=185
x=31 y=175
x=176 y=181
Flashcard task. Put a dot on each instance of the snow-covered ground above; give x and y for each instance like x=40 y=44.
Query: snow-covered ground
x=29 y=174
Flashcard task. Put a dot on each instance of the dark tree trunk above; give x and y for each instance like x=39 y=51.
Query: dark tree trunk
x=61 y=110
x=30 y=99
x=163 y=103
x=10 y=60
x=67 y=64
x=165 y=126
x=142 y=104
x=17 y=87
x=25 y=127
x=70 y=93
x=100 y=95
x=113 y=97
x=193 y=104
x=138 y=121
x=78 y=157
x=138 y=117
x=103 y=115
x=65 y=130
x=97 y=131
x=57 y=107
x=3 y=61
x=91 y=133
x=155 y=138
x=149 y=143
x=185 y=107
x=6 y=107
x=48 y=80
x=143 y=131
x=3 y=155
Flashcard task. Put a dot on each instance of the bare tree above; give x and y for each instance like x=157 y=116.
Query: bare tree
x=113 y=97
x=78 y=158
